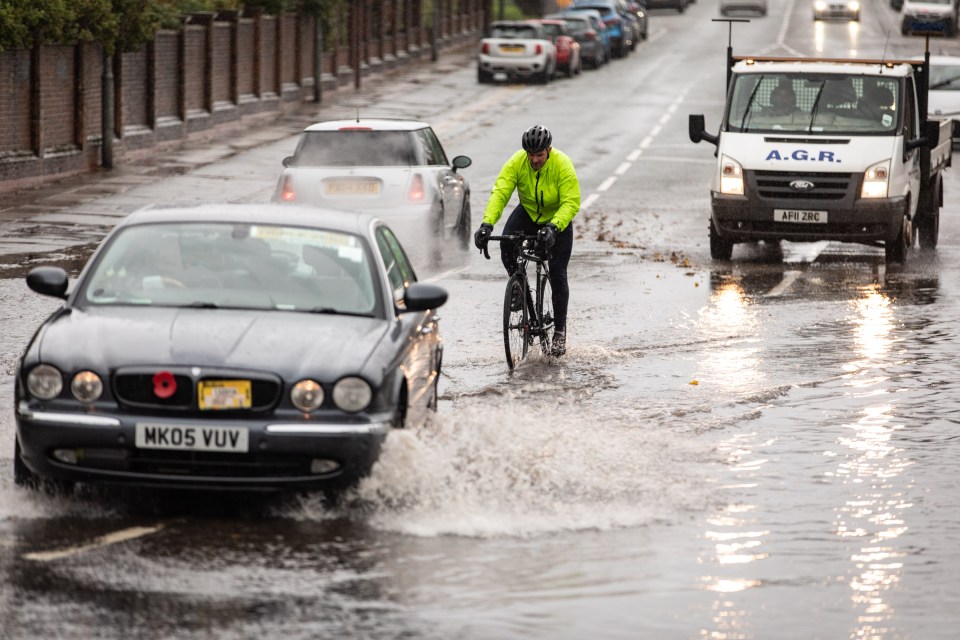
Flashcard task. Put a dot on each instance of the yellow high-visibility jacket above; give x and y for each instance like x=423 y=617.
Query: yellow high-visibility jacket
x=549 y=195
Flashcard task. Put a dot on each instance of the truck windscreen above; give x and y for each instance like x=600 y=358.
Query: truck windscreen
x=803 y=103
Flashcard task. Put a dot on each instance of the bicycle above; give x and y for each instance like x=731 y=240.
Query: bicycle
x=533 y=320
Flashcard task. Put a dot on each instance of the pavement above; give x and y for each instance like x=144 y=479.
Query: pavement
x=29 y=214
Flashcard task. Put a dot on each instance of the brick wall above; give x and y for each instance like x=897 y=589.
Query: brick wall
x=187 y=80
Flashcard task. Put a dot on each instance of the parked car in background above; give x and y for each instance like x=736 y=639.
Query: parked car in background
x=518 y=50
x=619 y=28
x=943 y=97
x=734 y=6
x=582 y=30
x=396 y=169
x=227 y=347
x=568 y=49
x=679 y=5
x=599 y=27
x=836 y=9
x=639 y=9
x=928 y=16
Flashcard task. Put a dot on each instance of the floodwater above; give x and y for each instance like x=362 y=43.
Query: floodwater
x=759 y=451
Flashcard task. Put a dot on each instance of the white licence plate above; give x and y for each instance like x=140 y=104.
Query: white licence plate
x=499 y=76
x=191 y=437
x=802 y=217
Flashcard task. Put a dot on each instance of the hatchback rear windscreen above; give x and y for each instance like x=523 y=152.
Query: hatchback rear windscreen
x=358 y=147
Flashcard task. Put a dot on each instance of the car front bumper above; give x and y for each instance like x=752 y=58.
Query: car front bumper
x=281 y=455
x=867 y=221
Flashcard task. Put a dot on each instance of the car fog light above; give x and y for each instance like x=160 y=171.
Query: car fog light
x=321 y=465
x=67 y=456
x=86 y=386
x=352 y=394
x=307 y=395
x=44 y=382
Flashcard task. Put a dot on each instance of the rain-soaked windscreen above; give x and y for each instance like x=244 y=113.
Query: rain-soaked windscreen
x=836 y=104
x=358 y=147
x=237 y=266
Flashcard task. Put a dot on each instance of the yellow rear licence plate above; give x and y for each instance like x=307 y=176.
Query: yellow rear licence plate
x=225 y=394
x=512 y=48
x=352 y=188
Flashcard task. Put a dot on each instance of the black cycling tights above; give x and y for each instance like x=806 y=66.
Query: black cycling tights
x=520 y=222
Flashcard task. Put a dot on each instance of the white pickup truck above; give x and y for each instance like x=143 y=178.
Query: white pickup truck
x=516 y=50
x=827 y=149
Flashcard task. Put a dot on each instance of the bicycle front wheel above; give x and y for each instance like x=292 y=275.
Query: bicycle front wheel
x=544 y=307
x=516 y=327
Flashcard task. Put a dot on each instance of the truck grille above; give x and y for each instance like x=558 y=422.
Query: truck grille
x=775 y=185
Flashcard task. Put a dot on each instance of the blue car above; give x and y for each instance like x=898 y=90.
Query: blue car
x=598 y=26
x=619 y=29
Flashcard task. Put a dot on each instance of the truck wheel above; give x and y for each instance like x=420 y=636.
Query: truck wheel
x=720 y=249
x=928 y=219
x=929 y=231
x=896 y=251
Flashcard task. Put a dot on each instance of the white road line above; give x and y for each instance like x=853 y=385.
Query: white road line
x=445 y=274
x=788 y=279
x=623 y=168
x=633 y=155
x=588 y=201
x=606 y=184
x=672 y=108
x=785 y=25
x=646 y=142
x=665 y=118
x=103 y=541
x=655 y=131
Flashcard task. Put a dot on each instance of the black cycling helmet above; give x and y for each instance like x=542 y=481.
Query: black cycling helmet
x=536 y=138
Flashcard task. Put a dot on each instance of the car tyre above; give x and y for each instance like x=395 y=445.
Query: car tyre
x=895 y=252
x=463 y=225
x=720 y=248
x=23 y=477
x=483 y=77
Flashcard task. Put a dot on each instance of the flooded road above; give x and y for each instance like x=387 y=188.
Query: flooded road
x=760 y=448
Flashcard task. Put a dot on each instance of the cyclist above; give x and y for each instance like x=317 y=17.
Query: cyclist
x=549 y=191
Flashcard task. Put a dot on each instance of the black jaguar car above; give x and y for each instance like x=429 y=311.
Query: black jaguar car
x=228 y=347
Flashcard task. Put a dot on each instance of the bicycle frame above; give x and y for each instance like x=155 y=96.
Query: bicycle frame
x=532 y=321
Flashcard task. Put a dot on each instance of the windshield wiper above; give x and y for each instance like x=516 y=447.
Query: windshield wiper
x=816 y=105
x=749 y=108
x=944 y=83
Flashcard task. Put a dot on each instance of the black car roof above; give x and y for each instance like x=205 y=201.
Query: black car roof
x=266 y=213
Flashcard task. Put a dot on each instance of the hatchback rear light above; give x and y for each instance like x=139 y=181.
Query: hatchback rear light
x=485 y=49
x=590 y=35
x=287 y=194
x=417 y=192
x=539 y=49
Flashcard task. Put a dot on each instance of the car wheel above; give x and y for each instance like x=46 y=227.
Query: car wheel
x=464 y=225
x=904 y=29
x=895 y=252
x=400 y=413
x=23 y=477
x=720 y=248
x=484 y=78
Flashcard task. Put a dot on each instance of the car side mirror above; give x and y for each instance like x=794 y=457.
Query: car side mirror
x=461 y=162
x=289 y=161
x=48 y=281
x=421 y=296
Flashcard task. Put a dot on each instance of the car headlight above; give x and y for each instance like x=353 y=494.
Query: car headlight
x=307 y=395
x=853 y=5
x=352 y=394
x=820 y=5
x=86 y=386
x=731 y=176
x=876 y=180
x=44 y=382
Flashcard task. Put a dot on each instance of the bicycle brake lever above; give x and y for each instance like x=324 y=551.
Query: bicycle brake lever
x=484 y=251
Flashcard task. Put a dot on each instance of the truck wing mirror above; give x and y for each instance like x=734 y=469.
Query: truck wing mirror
x=698 y=130
x=931 y=131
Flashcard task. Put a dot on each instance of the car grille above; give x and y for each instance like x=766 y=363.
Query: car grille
x=775 y=185
x=135 y=389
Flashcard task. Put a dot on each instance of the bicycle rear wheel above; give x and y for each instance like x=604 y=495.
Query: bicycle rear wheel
x=516 y=328
x=544 y=307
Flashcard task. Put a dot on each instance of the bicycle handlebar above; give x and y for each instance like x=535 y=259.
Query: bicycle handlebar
x=520 y=238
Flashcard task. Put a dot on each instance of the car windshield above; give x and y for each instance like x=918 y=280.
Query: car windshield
x=236 y=266
x=835 y=103
x=514 y=31
x=945 y=77
x=347 y=148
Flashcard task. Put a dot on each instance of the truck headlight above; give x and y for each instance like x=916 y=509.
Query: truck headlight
x=853 y=5
x=876 y=180
x=731 y=176
x=820 y=5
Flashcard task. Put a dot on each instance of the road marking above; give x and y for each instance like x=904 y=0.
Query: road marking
x=665 y=118
x=633 y=155
x=646 y=142
x=655 y=131
x=103 y=541
x=676 y=159
x=606 y=184
x=623 y=168
x=589 y=200
x=788 y=279
x=445 y=274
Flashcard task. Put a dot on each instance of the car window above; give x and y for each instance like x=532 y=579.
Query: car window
x=399 y=271
x=514 y=31
x=577 y=27
x=224 y=265
x=433 y=152
x=347 y=148
x=552 y=30
x=944 y=77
